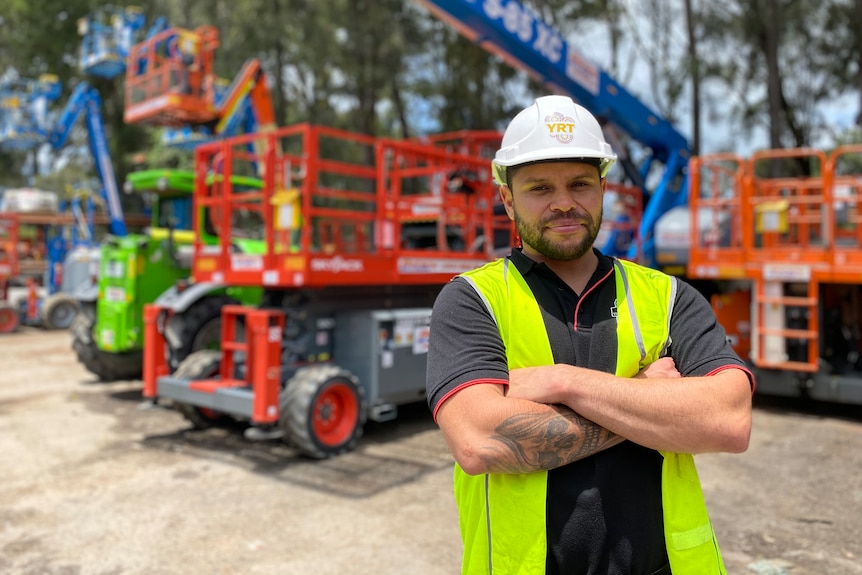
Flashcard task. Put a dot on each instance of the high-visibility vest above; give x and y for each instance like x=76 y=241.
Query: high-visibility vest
x=502 y=516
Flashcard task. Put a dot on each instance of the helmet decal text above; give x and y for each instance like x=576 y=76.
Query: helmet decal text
x=560 y=127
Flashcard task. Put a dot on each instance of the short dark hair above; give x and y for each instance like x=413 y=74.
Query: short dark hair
x=512 y=170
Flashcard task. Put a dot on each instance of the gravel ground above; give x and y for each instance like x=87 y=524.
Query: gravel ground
x=93 y=484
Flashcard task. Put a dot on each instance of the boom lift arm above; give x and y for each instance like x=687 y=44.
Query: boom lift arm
x=85 y=99
x=512 y=32
x=250 y=85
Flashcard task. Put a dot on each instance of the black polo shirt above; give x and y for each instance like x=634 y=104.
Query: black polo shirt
x=603 y=512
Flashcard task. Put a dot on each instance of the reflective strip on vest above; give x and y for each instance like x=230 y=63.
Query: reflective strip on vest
x=502 y=516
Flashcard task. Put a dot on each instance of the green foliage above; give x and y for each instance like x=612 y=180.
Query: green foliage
x=389 y=67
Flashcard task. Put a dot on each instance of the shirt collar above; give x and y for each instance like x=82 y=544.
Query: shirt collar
x=527 y=266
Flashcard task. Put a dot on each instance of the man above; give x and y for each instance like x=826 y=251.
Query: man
x=571 y=387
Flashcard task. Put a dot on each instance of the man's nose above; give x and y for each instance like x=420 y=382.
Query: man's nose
x=563 y=201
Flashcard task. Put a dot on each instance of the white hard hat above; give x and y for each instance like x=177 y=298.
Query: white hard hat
x=552 y=128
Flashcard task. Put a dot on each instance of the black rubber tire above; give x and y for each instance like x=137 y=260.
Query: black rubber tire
x=59 y=311
x=322 y=411
x=197 y=328
x=9 y=319
x=202 y=364
x=104 y=365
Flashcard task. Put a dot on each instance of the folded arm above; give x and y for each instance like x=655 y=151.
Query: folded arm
x=488 y=432
x=661 y=411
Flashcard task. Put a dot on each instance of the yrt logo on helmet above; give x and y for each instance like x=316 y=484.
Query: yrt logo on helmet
x=561 y=127
x=552 y=128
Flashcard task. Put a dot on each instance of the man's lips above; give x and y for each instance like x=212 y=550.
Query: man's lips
x=564 y=226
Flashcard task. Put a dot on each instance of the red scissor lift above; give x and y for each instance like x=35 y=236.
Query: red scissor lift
x=8 y=270
x=23 y=260
x=783 y=242
x=349 y=282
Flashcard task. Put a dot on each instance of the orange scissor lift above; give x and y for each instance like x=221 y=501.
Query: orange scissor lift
x=784 y=240
x=342 y=333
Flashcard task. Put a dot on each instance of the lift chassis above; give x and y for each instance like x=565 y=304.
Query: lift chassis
x=341 y=334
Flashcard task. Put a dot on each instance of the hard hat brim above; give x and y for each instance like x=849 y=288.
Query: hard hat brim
x=498 y=168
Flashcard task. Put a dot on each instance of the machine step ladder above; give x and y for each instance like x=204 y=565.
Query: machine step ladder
x=774 y=337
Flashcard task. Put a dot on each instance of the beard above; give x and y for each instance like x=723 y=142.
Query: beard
x=533 y=236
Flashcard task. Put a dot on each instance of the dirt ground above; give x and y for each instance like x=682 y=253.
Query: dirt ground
x=92 y=483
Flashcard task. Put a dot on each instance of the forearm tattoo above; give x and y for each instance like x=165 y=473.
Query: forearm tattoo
x=537 y=441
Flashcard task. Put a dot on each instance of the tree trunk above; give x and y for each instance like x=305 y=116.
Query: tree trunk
x=858 y=32
x=278 y=78
x=695 y=79
x=771 y=27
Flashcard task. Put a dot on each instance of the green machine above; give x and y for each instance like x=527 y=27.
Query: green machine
x=107 y=336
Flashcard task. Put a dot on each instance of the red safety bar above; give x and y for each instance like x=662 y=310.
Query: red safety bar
x=719 y=225
x=259 y=342
x=8 y=251
x=155 y=344
x=844 y=167
x=790 y=198
x=335 y=209
x=478 y=143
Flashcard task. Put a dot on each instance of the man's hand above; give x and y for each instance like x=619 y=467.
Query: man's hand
x=533 y=383
x=662 y=367
x=547 y=384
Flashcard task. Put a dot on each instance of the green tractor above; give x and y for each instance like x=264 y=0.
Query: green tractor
x=107 y=335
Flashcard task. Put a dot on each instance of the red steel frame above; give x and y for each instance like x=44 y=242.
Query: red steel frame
x=8 y=251
x=334 y=245
x=261 y=345
x=478 y=143
x=339 y=245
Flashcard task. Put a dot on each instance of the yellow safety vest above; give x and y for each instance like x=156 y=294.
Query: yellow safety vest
x=502 y=516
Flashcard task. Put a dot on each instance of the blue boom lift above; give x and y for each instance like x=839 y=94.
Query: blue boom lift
x=25 y=126
x=511 y=31
x=107 y=34
x=86 y=100
x=23 y=110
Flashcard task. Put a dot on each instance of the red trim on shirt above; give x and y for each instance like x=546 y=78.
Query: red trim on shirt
x=583 y=295
x=747 y=372
x=464 y=386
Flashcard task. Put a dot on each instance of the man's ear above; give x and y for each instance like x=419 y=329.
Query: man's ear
x=507 y=198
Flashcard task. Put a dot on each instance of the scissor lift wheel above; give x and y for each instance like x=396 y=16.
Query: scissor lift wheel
x=323 y=411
